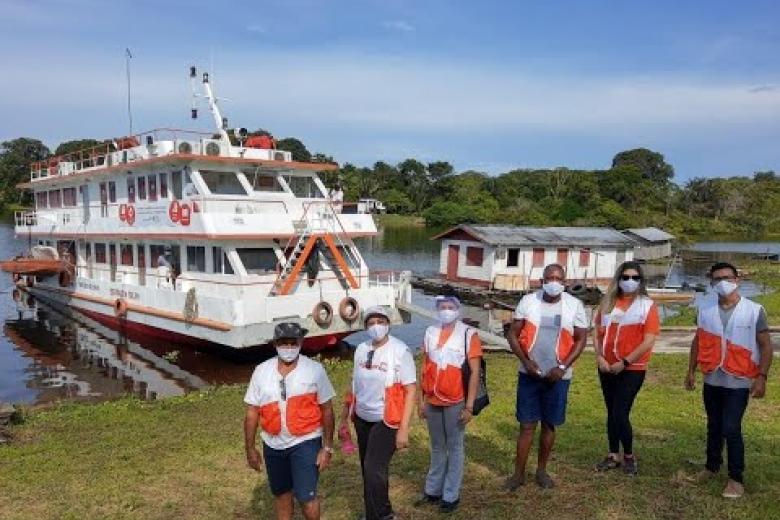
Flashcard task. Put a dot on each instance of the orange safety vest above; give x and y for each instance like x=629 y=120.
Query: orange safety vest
x=532 y=304
x=625 y=329
x=394 y=390
x=735 y=349
x=442 y=375
x=301 y=413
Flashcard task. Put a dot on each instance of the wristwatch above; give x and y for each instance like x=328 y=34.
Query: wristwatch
x=626 y=362
x=563 y=367
x=328 y=449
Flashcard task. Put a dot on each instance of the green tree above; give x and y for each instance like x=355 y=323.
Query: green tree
x=296 y=147
x=651 y=165
x=76 y=145
x=15 y=159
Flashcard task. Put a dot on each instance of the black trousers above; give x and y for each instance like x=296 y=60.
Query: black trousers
x=619 y=392
x=725 y=408
x=376 y=444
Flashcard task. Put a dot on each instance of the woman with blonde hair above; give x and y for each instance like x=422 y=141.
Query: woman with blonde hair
x=627 y=324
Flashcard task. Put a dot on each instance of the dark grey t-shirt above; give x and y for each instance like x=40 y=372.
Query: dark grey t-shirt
x=721 y=378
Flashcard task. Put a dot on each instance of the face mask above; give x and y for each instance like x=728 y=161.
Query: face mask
x=378 y=331
x=288 y=354
x=725 y=287
x=447 y=316
x=553 y=288
x=628 y=286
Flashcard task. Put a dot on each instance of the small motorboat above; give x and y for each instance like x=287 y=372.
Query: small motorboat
x=42 y=261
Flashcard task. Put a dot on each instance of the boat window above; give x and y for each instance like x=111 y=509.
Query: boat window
x=141 y=255
x=126 y=254
x=152 y=180
x=196 y=259
x=141 y=188
x=88 y=252
x=111 y=191
x=264 y=181
x=131 y=190
x=69 y=197
x=163 y=185
x=54 y=199
x=100 y=253
x=222 y=183
x=177 y=185
x=155 y=252
x=220 y=261
x=304 y=187
x=258 y=260
x=41 y=200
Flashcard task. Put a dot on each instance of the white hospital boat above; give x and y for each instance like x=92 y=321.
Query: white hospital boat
x=202 y=237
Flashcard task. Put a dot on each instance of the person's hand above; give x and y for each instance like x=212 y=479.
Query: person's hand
x=465 y=416
x=555 y=375
x=254 y=459
x=402 y=439
x=323 y=459
x=690 y=381
x=532 y=368
x=758 y=390
x=603 y=365
x=617 y=367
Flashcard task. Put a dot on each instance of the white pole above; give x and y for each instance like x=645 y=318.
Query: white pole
x=128 y=55
x=215 y=109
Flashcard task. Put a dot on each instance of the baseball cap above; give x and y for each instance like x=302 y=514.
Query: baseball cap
x=447 y=298
x=376 y=310
x=289 y=329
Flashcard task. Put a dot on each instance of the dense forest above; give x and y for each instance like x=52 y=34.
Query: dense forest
x=638 y=190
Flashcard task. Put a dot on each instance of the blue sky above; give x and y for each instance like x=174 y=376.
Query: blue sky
x=486 y=85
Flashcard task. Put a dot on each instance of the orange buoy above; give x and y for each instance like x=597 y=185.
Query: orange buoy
x=349 y=309
x=120 y=308
x=322 y=314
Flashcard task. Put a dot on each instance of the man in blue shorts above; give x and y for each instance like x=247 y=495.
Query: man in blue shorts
x=548 y=335
x=289 y=397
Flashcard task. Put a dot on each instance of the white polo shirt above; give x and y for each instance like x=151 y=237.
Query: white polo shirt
x=369 y=382
x=308 y=376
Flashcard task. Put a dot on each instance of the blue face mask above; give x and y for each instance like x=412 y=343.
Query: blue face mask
x=552 y=289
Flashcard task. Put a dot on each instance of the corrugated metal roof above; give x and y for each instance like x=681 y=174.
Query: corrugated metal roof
x=651 y=234
x=552 y=236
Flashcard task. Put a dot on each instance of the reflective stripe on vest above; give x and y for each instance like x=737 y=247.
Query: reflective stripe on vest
x=626 y=327
x=442 y=366
x=735 y=349
x=300 y=413
x=528 y=333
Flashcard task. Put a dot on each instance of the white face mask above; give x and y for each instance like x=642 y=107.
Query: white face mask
x=629 y=286
x=725 y=287
x=378 y=331
x=552 y=288
x=288 y=354
x=447 y=316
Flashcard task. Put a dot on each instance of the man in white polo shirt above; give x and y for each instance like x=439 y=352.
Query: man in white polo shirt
x=289 y=397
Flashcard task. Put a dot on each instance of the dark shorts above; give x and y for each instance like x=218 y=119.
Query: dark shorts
x=538 y=400
x=294 y=469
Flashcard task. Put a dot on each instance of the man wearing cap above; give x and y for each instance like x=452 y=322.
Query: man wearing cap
x=289 y=397
x=548 y=335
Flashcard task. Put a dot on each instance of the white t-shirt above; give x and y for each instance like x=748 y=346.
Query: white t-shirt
x=545 y=352
x=369 y=383
x=308 y=376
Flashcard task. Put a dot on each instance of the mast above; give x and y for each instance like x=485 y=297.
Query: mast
x=220 y=122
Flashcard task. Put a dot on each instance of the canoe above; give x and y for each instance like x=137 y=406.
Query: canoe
x=34 y=266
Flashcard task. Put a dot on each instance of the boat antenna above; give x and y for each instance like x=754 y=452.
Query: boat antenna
x=220 y=122
x=128 y=56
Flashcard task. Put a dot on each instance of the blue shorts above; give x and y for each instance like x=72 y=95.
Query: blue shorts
x=538 y=400
x=294 y=469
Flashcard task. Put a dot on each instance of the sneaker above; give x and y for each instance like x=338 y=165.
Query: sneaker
x=544 y=480
x=629 y=466
x=448 y=507
x=426 y=500
x=514 y=482
x=702 y=476
x=607 y=464
x=733 y=489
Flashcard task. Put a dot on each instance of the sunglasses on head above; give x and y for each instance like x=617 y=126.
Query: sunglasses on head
x=630 y=277
x=370 y=359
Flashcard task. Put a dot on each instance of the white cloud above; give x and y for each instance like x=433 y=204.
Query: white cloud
x=257 y=28
x=398 y=25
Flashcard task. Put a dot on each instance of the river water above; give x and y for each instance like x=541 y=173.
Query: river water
x=49 y=354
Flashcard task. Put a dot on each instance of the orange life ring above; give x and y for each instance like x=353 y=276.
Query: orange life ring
x=130 y=215
x=120 y=308
x=174 y=211
x=186 y=214
x=123 y=212
x=64 y=278
x=322 y=314
x=349 y=309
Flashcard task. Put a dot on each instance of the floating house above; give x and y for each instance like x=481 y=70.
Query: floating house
x=513 y=258
x=650 y=243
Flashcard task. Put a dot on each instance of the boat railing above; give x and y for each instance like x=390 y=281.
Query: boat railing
x=148 y=145
x=26 y=218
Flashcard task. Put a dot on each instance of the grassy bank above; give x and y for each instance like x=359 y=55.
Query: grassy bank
x=394 y=220
x=183 y=458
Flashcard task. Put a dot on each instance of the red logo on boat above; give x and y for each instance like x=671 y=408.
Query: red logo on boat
x=123 y=212
x=185 y=214
x=174 y=211
x=130 y=215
